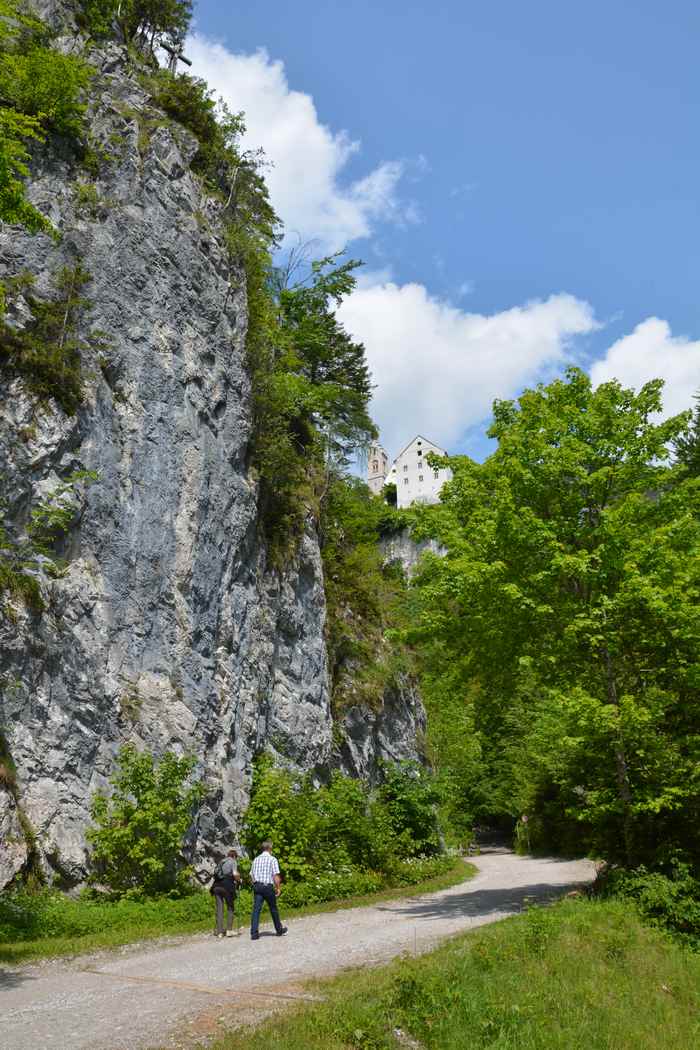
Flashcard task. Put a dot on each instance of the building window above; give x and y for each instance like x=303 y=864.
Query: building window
x=420 y=477
x=420 y=465
x=375 y=466
x=405 y=467
x=435 y=473
x=405 y=481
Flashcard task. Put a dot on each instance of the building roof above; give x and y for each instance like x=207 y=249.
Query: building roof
x=423 y=438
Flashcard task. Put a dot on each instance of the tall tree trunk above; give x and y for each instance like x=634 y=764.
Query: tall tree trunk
x=621 y=769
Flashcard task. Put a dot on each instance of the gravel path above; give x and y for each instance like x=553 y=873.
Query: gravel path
x=171 y=995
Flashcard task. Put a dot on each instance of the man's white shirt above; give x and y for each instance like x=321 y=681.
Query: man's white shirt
x=264 y=867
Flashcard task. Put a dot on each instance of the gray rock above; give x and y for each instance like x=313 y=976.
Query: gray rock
x=168 y=628
x=402 y=548
x=394 y=732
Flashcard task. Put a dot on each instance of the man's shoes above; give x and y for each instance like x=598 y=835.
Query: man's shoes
x=255 y=936
x=233 y=933
x=282 y=932
x=219 y=936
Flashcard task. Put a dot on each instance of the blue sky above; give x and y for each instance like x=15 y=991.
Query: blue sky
x=520 y=179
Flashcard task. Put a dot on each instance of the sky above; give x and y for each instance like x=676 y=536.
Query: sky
x=520 y=180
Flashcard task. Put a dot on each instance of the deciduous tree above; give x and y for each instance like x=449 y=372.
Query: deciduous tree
x=570 y=595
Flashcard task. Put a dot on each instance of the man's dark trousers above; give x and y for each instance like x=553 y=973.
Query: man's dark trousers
x=264 y=891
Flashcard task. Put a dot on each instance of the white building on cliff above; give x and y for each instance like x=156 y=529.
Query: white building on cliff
x=416 y=481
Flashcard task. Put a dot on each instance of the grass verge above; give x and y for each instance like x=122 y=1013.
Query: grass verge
x=134 y=922
x=577 y=976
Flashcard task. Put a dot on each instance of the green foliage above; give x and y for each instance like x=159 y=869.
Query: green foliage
x=334 y=368
x=311 y=828
x=15 y=209
x=410 y=797
x=8 y=771
x=27 y=916
x=148 y=21
x=566 y=610
x=40 y=91
x=389 y=494
x=17 y=580
x=454 y=747
x=310 y=393
x=47 y=351
x=25 y=560
x=45 y=85
x=343 y=826
x=140 y=827
x=231 y=173
x=573 y=977
x=365 y=597
x=670 y=902
x=87 y=199
x=687 y=444
x=53 y=517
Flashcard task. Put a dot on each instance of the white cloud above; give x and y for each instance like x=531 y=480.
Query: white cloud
x=306 y=179
x=438 y=368
x=651 y=352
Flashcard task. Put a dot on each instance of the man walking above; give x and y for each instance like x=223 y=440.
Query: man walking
x=265 y=875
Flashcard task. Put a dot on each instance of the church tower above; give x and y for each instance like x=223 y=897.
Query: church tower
x=377 y=468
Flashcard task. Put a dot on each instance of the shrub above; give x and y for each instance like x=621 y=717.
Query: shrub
x=46 y=85
x=24 y=560
x=40 y=92
x=409 y=794
x=366 y=598
x=189 y=101
x=139 y=830
x=47 y=351
x=669 y=902
x=341 y=827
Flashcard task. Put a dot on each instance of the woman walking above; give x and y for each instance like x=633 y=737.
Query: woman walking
x=226 y=881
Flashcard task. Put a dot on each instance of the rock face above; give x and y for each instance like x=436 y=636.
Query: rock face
x=168 y=629
x=402 y=548
x=393 y=732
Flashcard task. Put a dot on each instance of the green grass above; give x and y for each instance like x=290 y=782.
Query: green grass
x=81 y=927
x=578 y=976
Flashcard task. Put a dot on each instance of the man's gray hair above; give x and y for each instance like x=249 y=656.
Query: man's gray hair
x=267 y=844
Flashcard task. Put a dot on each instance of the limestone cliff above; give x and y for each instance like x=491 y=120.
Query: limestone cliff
x=169 y=628
x=403 y=549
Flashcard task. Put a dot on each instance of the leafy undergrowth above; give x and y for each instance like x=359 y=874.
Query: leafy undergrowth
x=44 y=925
x=669 y=902
x=577 y=976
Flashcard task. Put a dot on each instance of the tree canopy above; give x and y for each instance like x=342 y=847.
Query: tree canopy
x=40 y=94
x=569 y=602
x=150 y=20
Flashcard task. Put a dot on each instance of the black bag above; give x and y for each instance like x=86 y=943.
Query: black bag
x=218 y=878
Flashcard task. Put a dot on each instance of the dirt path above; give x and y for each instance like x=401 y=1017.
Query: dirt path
x=172 y=995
